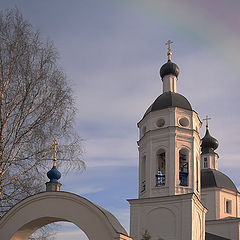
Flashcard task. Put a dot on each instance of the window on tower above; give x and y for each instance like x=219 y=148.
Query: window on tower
x=160 y=176
x=205 y=163
x=183 y=167
x=143 y=174
x=228 y=206
x=197 y=175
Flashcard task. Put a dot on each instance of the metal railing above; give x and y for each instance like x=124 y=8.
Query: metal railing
x=183 y=173
x=160 y=179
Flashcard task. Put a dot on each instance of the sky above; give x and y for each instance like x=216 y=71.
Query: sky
x=111 y=52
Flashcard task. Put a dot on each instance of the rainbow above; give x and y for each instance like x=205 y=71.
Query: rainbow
x=210 y=24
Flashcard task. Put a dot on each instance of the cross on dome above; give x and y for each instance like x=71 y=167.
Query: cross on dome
x=54 y=175
x=55 y=151
x=206 y=119
x=169 y=42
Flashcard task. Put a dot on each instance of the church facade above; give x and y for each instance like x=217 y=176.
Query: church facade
x=182 y=195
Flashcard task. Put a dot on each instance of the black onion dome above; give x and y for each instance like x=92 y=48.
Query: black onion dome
x=169 y=68
x=167 y=100
x=213 y=178
x=209 y=143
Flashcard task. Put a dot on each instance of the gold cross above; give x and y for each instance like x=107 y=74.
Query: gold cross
x=169 y=42
x=55 y=151
x=206 y=119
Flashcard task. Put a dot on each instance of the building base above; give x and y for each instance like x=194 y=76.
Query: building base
x=177 y=217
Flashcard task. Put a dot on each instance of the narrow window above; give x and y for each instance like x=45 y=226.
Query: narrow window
x=205 y=164
x=183 y=167
x=228 y=206
x=160 y=176
x=143 y=174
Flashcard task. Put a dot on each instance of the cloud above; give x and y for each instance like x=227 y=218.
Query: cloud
x=116 y=97
x=111 y=148
x=65 y=230
x=73 y=235
x=105 y=150
x=85 y=186
x=229 y=160
x=89 y=189
x=111 y=163
x=112 y=53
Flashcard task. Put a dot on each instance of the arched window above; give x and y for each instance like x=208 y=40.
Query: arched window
x=160 y=176
x=183 y=167
x=143 y=174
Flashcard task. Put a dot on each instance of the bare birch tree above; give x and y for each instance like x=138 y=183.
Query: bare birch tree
x=36 y=106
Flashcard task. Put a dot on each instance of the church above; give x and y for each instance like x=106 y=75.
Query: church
x=182 y=194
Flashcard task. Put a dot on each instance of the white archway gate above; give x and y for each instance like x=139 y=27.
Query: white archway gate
x=48 y=207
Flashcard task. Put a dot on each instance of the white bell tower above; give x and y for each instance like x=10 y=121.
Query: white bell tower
x=169 y=204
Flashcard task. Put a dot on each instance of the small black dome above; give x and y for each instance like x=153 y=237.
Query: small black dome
x=209 y=143
x=169 y=68
x=167 y=100
x=214 y=178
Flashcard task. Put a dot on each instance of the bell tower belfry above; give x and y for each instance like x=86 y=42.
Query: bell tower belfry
x=169 y=142
x=168 y=205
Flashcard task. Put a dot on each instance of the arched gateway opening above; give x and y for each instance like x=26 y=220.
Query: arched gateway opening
x=47 y=207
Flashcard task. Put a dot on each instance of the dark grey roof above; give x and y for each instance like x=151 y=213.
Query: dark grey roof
x=169 y=68
x=209 y=236
x=167 y=100
x=213 y=178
